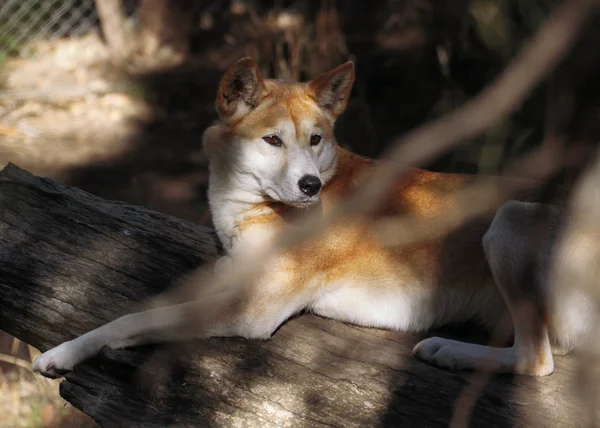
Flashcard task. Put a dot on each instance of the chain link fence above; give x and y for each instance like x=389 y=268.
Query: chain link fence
x=23 y=21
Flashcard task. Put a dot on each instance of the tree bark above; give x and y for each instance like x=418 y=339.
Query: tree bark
x=70 y=261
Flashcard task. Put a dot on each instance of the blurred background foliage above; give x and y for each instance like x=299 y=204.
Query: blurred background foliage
x=416 y=59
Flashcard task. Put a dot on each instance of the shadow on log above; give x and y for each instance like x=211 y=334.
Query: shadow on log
x=70 y=261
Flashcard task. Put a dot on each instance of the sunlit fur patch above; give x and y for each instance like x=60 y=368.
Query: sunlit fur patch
x=284 y=102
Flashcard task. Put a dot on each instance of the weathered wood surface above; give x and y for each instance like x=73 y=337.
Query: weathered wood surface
x=70 y=261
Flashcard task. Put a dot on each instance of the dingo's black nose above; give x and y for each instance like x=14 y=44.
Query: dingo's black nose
x=310 y=185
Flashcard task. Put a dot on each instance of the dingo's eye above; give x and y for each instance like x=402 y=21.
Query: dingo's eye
x=315 y=139
x=273 y=140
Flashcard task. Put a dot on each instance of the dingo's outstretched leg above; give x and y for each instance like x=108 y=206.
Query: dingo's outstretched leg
x=507 y=251
x=252 y=312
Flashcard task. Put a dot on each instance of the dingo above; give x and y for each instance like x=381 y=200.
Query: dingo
x=271 y=153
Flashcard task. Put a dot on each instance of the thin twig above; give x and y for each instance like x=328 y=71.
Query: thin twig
x=10 y=359
x=481 y=196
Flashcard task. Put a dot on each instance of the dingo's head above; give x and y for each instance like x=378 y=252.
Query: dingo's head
x=276 y=137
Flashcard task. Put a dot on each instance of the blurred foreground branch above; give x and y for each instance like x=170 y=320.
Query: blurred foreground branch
x=70 y=261
x=536 y=61
x=578 y=266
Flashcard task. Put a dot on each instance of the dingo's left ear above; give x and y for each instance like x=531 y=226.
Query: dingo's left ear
x=332 y=89
x=241 y=89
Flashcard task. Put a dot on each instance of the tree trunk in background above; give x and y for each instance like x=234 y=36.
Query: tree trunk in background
x=163 y=25
x=151 y=20
x=112 y=21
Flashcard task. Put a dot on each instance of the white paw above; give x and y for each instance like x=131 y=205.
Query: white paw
x=446 y=353
x=455 y=355
x=57 y=361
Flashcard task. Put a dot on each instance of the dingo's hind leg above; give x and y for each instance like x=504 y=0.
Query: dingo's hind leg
x=506 y=247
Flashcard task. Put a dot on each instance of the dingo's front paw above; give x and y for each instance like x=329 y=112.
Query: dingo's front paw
x=57 y=361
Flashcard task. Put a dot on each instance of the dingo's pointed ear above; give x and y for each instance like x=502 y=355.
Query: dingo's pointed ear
x=332 y=89
x=241 y=89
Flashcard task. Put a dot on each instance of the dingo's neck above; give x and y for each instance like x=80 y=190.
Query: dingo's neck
x=230 y=206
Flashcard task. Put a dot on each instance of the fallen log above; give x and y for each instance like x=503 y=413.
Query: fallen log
x=70 y=261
